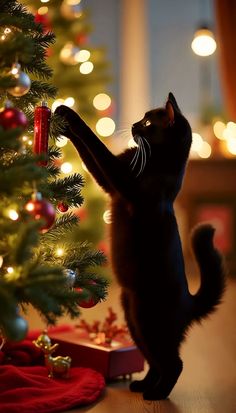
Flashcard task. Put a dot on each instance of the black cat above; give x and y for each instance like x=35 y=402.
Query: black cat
x=145 y=243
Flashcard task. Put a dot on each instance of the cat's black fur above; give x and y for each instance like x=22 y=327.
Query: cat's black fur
x=145 y=243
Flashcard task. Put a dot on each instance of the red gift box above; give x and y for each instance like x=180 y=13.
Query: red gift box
x=118 y=359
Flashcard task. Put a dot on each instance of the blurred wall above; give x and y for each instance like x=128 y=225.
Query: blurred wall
x=173 y=65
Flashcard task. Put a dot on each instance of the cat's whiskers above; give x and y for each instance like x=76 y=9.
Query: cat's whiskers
x=148 y=145
x=136 y=156
x=142 y=165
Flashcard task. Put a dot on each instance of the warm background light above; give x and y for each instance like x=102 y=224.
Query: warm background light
x=62 y=141
x=66 y=167
x=105 y=126
x=86 y=68
x=203 y=43
x=102 y=101
x=82 y=56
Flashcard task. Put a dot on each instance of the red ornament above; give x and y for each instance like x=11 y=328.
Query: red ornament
x=62 y=206
x=40 y=208
x=89 y=302
x=42 y=115
x=11 y=118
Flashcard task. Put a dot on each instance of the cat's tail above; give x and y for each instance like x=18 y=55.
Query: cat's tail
x=212 y=271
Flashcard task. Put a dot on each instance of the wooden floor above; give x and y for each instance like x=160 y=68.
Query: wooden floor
x=208 y=381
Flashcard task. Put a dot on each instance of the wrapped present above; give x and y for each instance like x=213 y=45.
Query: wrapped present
x=102 y=346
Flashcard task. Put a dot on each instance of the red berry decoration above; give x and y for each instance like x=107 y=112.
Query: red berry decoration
x=62 y=207
x=11 y=118
x=40 y=208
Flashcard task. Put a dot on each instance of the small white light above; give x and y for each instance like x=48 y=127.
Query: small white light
x=13 y=215
x=107 y=217
x=218 y=129
x=60 y=252
x=66 y=167
x=102 y=101
x=105 y=126
x=82 y=56
x=44 y=1
x=205 y=150
x=10 y=270
x=86 y=68
x=196 y=142
x=1 y=261
x=62 y=141
x=70 y=101
x=231 y=145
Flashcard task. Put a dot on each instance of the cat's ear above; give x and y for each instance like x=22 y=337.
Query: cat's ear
x=170 y=112
x=172 y=100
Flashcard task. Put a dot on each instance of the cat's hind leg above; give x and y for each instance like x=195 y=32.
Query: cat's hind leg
x=170 y=370
x=152 y=376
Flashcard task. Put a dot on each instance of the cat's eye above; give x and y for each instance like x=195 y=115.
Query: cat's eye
x=147 y=123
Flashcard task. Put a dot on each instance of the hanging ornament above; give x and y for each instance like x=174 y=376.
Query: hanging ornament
x=62 y=206
x=21 y=80
x=40 y=208
x=14 y=329
x=70 y=277
x=42 y=116
x=71 y=9
x=69 y=54
x=88 y=302
x=11 y=118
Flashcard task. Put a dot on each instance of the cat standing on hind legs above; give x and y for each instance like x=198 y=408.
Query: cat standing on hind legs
x=146 y=248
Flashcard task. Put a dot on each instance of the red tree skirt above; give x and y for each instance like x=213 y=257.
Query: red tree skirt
x=30 y=390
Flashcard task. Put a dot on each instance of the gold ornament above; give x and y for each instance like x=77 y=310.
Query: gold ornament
x=57 y=366
x=71 y=9
x=22 y=81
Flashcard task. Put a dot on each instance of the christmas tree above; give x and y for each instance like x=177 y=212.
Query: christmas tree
x=82 y=75
x=39 y=264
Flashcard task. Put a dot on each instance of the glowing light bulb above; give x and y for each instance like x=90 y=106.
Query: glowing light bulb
x=10 y=270
x=66 y=167
x=86 y=68
x=105 y=126
x=203 y=43
x=62 y=141
x=13 y=215
x=102 y=101
x=82 y=56
x=1 y=261
x=44 y=1
x=60 y=252
x=107 y=217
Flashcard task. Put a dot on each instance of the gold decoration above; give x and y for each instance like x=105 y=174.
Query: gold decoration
x=57 y=366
